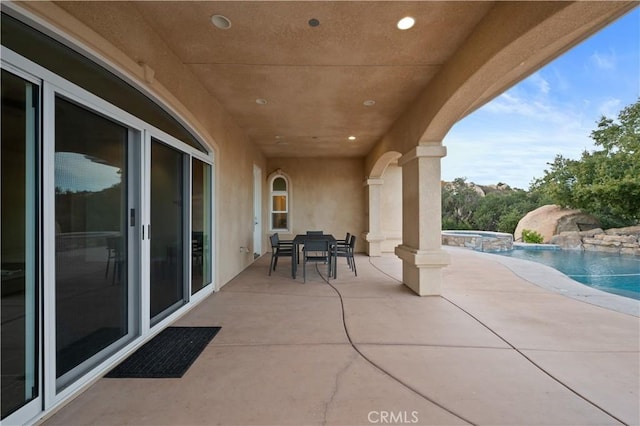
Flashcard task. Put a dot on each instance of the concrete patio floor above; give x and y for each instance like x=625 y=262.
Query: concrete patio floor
x=494 y=349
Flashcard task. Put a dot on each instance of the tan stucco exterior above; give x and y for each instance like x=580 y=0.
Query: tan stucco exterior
x=500 y=44
x=326 y=194
x=316 y=82
x=391 y=208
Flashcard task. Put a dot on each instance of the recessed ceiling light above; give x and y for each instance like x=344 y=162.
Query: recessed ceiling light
x=352 y=138
x=221 y=22
x=369 y=102
x=261 y=101
x=406 y=23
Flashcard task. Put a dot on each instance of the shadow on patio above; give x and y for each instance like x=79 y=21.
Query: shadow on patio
x=494 y=349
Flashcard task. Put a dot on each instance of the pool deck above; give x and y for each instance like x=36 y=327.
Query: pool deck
x=493 y=349
x=554 y=280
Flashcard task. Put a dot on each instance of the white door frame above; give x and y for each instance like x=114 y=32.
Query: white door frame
x=257 y=211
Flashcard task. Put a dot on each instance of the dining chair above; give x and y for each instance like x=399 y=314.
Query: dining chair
x=197 y=242
x=316 y=251
x=315 y=232
x=346 y=251
x=283 y=242
x=345 y=242
x=278 y=249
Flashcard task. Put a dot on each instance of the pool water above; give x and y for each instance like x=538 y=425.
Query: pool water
x=613 y=273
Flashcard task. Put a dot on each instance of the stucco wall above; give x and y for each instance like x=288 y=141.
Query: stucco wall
x=326 y=194
x=391 y=208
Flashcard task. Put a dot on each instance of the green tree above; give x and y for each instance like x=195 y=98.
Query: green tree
x=606 y=181
x=459 y=201
x=509 y=221
x=502 y=210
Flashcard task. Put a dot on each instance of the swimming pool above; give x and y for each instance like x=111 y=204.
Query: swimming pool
x=613 y=273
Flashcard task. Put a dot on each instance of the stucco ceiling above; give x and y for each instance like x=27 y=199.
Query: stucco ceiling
x=315 y=79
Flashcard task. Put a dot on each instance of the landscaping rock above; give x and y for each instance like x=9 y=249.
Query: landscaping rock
x=629 y=230
x=552 y=220
x=571 y=240
x=621 y=240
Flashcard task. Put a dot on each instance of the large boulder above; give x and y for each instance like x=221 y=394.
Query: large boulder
x=551 y=220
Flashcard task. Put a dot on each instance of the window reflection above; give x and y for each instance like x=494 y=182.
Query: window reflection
x=200 y=225
x=18 y=333
x=279 y=203
x=279 y=221
x=279 y=184
x=91 y=255
x=167 y=230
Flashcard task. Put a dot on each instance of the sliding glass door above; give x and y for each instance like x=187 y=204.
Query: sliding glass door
x=200 y=225
x=167 y=231
x=91 y=237
x=19 y=333
x=106 y=230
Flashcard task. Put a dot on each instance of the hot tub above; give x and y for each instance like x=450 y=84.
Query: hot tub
x=478 y=240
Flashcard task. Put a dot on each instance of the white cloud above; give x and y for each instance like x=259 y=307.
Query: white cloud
x=517 y=148
x=542 y=85
x=561 y=82
x=610 y=108
x=604 y=61
x=514 y=137
x=511 y=103
x=519 y=105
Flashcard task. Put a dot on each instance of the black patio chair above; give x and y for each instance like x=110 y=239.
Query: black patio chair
x=346 y=251
x=278 y=249
x=344 y=243
x=114 y=257
x=316 y=251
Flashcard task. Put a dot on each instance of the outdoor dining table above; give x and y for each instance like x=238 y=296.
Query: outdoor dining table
x=300 y=239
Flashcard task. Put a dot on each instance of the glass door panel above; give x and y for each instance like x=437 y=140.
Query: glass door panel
x=20 y=313
x=91 y=236
x=167 y=230
x=200 y=225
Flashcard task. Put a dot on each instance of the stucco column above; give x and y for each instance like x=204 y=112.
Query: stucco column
x=421 y=252
x=375 y=236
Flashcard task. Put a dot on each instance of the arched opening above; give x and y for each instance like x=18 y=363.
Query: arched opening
x=391 y=207
x=384 y=202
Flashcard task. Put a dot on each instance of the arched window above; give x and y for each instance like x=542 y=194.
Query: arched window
x=279 y=203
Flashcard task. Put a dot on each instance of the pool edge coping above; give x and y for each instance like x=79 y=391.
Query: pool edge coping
x=555 y=281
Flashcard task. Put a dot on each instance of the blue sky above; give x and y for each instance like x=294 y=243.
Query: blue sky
x=512 y=138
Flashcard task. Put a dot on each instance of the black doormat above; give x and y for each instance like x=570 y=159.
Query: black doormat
x=167 y=355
